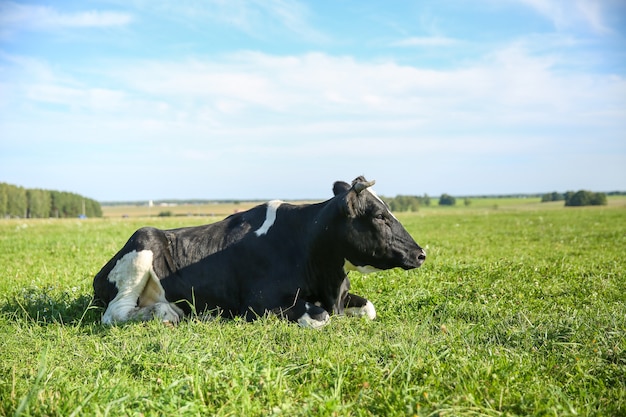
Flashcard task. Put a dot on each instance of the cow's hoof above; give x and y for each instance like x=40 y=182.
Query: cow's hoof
x=367 y=310
x=314 y=317
x=168 y=312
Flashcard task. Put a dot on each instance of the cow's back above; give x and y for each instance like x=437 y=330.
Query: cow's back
x=189 y=245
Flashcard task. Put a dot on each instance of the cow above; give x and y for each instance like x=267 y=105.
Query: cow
x=276 y=258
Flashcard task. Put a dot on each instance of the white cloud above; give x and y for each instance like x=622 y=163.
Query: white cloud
x=249 y=89
x=254 y=112
x=93 y=99
x=16 y=17
x=426 y=41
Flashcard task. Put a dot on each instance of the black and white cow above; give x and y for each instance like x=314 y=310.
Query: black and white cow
x=290 y=260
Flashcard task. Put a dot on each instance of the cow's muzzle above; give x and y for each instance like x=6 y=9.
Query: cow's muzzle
x=421 y=257
x=415 y=259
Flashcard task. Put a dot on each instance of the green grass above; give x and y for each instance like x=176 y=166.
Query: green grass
x=515 y=312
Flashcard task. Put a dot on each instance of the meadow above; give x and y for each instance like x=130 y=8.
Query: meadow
x=520 y=309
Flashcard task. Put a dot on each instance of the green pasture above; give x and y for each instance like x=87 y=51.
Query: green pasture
x=519 y=310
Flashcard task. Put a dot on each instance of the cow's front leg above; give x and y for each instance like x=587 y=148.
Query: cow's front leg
x=357 y=306
x=302 y=312
x=313 y=317
x=306 y=314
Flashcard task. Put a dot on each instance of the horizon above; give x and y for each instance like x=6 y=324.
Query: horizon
x=217 y=200
x=192 y=201
x=121 y=101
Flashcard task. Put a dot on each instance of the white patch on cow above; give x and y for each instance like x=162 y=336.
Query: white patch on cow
x=372 y=192
x=140 y=295
x=367 y=310
x=270 y=217
x=309 y=322
x=365 y=269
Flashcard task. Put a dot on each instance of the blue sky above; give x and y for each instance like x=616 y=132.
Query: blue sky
x=136 y=100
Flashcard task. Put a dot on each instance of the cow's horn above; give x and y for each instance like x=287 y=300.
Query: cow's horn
x=362 y=185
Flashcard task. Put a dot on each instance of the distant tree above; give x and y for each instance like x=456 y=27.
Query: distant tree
x=3 y=199
x=401 y=203
x=39 y=203
x=92 y=208
x=61 y=205
x=447 y=200
x=410 y=203
x=599 y=199
x=16 y=201
x=554 y=196
x=585 y=198
x=580 y=198
x=426 y=200
x=467 y=202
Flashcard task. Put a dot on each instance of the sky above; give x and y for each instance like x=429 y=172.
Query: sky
x=260 y=99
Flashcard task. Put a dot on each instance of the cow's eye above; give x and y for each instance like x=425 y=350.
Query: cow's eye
x=380 y=216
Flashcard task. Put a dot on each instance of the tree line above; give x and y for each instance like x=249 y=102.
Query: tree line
x=578 y=198
x=401 y=203
x=16 y=201
x=406 y=202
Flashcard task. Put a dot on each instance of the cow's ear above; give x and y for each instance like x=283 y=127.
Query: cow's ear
x=353 y=205
x=345 y=198
x=340 y=187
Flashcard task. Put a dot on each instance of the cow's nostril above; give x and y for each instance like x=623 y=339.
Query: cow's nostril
x=421 y=257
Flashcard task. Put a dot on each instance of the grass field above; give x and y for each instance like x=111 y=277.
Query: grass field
x=519 y=310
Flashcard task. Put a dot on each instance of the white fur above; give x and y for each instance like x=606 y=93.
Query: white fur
x=307 y=321
x=270 y=217
x=140 y=295
x=365 y=269
x=367 y=310
x=372 y=192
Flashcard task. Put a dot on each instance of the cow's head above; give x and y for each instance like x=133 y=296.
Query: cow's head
x=372 y=237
